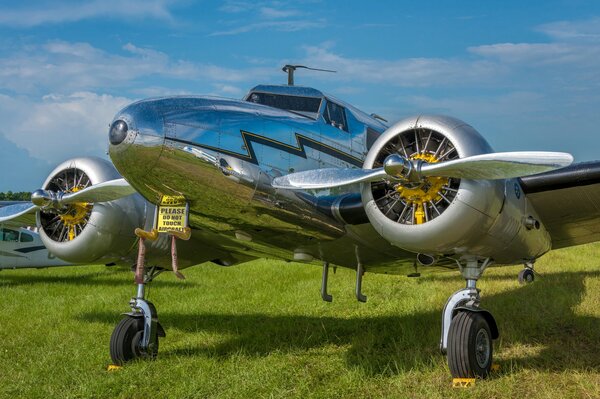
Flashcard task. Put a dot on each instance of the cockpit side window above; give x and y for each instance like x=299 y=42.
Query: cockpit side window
x=335 y=115
x=26 y=237
x=9 y=235
x=289 y=103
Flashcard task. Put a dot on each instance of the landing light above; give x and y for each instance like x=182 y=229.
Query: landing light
x=118 y=132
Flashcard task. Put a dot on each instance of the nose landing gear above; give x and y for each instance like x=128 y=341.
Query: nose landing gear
x=136 y=335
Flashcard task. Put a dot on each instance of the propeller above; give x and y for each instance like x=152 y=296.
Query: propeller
x=499 y=165
x=102 y=192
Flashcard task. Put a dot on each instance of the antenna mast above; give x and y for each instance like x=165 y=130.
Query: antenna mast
x=289 y=69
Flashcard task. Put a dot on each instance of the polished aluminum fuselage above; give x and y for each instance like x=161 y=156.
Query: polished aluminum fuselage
x=222 y=156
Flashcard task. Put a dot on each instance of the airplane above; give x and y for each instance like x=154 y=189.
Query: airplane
x=289 y=172
x=21 y=248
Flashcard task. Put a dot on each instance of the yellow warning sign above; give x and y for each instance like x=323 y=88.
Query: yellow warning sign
x=172 y=200
x=172 y=214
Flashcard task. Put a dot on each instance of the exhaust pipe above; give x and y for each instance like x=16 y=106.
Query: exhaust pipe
x=426 y=260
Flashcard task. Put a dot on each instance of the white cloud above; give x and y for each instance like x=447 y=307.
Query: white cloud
x=533 y=54
x=281 y=26
x=57 y=126
x=234 y=7
x=279 y=16
x=71 y=11
x=573 y=30
x=406 y=72
x=65 y=67
x=277 y=13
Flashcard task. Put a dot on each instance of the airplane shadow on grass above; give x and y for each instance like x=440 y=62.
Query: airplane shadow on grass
x=104 y=278
x=538 y=327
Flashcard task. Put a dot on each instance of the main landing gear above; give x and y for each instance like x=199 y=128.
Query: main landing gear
x=468 y=331
x=527 y=275
x=136 y=335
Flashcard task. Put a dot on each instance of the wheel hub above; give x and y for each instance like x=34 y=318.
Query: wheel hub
x=482 y=348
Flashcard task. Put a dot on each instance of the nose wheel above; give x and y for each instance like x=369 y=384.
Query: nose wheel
x=126 y=339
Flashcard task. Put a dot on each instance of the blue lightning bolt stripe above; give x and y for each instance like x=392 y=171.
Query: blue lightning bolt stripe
x=300 y=151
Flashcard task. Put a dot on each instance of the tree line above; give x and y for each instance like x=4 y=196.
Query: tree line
x=19 y=196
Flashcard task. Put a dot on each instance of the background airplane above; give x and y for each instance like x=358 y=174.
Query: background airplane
x=22 y=248
x=278 y=175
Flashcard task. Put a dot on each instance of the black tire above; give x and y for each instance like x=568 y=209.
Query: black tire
x=470 y=346
x=125 y=339
x=526 y=276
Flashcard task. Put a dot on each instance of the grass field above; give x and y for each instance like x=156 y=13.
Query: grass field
x=261 y=330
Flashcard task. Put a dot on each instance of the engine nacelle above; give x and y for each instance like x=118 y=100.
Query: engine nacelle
x=85 y=232
x=449 y=216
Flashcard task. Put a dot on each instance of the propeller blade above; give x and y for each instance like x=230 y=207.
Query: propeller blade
x=499 y=165
x=102 y=192
x=327 y=178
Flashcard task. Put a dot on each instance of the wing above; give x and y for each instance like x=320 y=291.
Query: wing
x=18 y=214
x=568 y=202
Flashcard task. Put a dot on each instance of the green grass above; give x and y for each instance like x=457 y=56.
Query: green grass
x=261 y=330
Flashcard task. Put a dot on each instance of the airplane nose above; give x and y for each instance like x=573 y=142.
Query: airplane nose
x=136 y=137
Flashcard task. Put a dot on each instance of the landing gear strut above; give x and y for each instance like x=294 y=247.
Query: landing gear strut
x=467 y=329
x=136 y=335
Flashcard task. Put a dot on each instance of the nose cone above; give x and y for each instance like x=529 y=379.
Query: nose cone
x=136 y=138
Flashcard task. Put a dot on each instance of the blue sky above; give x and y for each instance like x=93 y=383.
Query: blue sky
x=525 y=74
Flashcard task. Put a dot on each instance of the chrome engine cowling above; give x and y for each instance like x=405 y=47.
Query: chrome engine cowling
x=90 y=232
x=439 y=215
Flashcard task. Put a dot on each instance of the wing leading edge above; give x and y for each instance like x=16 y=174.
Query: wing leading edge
x=18 y=214
x=568 y=202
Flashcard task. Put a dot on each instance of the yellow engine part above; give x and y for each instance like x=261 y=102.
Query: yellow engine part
x=74 y=215
x=428 y=191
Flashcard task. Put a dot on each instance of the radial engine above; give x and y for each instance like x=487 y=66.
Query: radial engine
x=443 y=215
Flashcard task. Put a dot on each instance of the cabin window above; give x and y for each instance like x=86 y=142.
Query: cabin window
x=288 y=103
x=335 y=115
x=26 y=237
x=9 y=235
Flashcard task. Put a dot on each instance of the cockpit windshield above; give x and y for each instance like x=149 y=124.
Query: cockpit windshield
x=309 y=105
